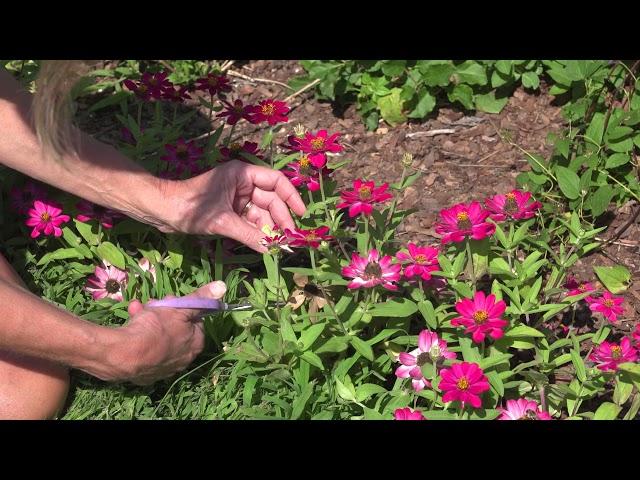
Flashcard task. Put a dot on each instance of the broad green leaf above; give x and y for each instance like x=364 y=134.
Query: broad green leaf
x=568 y=181
x=109 y=252
x=402 y=307
x=489 y=103
x=362 y=347
x=615 y=278
x=391 y=107
x=607 y=411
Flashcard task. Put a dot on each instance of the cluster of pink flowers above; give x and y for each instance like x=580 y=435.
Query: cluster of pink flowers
x=157 y=86
x=470 y=220
x=607 y=304
x=313 y=159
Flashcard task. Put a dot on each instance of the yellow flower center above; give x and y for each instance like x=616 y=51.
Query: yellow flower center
x=463 y=221
x=480 y=317
x=609 y=303
x=309 y=237
x=365 y=193
x=510 y=205
x=463 y=383
x=616 y=352
x=420 y=259
x=235 y=147
x=304 y=162
x=510 y=196
x=317 y=143
x=45 y=217
x=582 y=287
x=268 y=109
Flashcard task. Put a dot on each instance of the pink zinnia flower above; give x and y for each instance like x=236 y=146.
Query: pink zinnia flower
x=103 y=215
x=315 y=146
x=147 y=266
x=523 y=409
x=156 y=83
x=463 y=382
x=141 y=90
x=22 y=198
x=176 y=94
x=407 y=414
x=513 y=205
x=107 y=282
x=363 y=196
x=307 y=238
x=607 y=305
x=276 y=241
x=214 y=84
x=302 y=173
x=609 y=355
x=420 y=261
x=372 y=270
x=236 y=112
x=430 y=349
x=46 y=217
x=183 y=155
x=481 y=315
x=577 y=288
x=233 y=151
x=636 y=333
x=270 y=111
x=462 y=221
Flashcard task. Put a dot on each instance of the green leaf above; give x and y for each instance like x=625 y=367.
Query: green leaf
x=362 y=347
x=600 y=200
x=425 y=105
x=523 y=331
x=489 y=103
x=366 y=390
x=60 y=254
x=462 y=93
x=494 y=359
x=391 y=107
x=344 y=392
x=436 y=74
x=623 y=389
x=109 y=252
x=617 y=160
x=607 y=411
x=287 y=330
x=596 y=128
x=568 y=181
x=312 y=359
x=398 y=307
x=578 y=364
x=530 y=80
x=85 y=230
x=394 y=68
x=615 y=279
x=472 y=73
x=311 y=334
x=297 y=408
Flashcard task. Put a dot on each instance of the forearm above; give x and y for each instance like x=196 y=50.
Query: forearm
x=34 y=327
x=98 y=173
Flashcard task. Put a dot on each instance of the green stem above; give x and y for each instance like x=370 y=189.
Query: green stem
x=228 y=140
x=365 y=219
x=470 y=267
x=140 y=116
x=392 y=210
x=312 y=255
x=210 y=117
x=276 y=259
x=324 y=200
x=271 y=148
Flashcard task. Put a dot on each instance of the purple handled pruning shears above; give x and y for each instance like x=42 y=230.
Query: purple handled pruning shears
x=202 y=304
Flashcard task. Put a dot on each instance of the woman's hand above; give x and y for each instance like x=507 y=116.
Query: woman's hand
x=214 y=203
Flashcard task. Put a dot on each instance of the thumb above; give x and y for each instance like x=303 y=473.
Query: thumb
x=214 y=290
x=237 y=229
x=135 y=307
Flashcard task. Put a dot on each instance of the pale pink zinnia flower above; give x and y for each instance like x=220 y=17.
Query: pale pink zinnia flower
x=430 y=349
x=146 y=266
x=46 y=217
x=107 y=282
x=522 y=409
x=372 y=270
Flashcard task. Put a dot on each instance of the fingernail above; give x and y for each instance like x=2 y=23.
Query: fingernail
x=218 y=288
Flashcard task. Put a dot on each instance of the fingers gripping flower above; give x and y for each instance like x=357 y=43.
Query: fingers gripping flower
x=462 y=220
x=523 y=409
x=372 y=270
x=430 y=349
x=275 y=241
x=609 y=355
x=46 y=217
x=481 y=315
x=407 y=414
x=307 y=238
x=107 y=282
x=464 y=382
x=301 y=172
x=514 y=205
x=419 y=262
x=363 y=196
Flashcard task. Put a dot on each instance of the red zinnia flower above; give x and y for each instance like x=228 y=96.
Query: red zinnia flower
x=577 y=288
x=607 y=305
x=363 y=196
x=481 y=315
x=46 y=217
x=407 y=414
x=462 y=221
x=421 y=261
x=183 y=155
x=302 y=172
x=236 y=112
x=214 y=84
x=157 y=83
x=609 y=355
x=270 y=111
x=308 y=238
x=173 y=94
x=91 y=211
x=523 y=409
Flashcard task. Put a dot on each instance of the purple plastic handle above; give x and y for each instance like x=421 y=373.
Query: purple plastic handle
x=188 y=302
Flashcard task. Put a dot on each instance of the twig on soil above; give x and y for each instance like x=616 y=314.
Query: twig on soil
x=431 y=133
x=614 y=242
x=303 y=89
x=488 y=156
x=233 y=73
x=227 y=65
x=618 y=233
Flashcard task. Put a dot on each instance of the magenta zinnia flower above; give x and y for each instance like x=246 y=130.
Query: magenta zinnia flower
x=183 y=155
x=157 y=83
x=577 y=288
x=307 y=238
x=523 y=409
x=420 y=261
x=176 y=94
x=107 y=282
x=141 y=90
x=22 y=198
x=214 y=84
x=462 y=221
x=90 y=211
x=46 y=217
x=608 y=305
x=236 y=112
x=363 y=196
x=276 y=241
x=372 y=270
x=481 y=315
x=609 y=355
x=430 y=349
x=270 y=111
x=407 y=414
x=513 y=205
x=636 y=333
x=463 y=382
x=234 y=151
x=303 y=173
x=315 y=146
